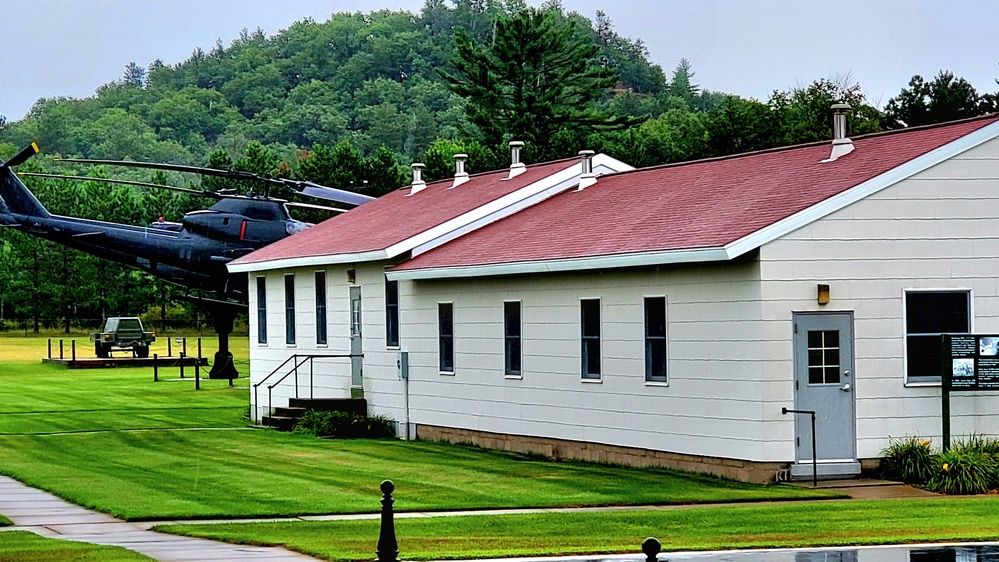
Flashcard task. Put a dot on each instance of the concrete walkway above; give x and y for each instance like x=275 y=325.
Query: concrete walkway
x=44 y=514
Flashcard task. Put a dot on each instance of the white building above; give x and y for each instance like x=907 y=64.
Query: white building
x=660 y=316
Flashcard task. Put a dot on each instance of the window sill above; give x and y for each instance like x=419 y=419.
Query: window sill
x=322 y=346
x=446 y=373
x=513 y=377
x=291 y=346
x=592 y=381
x=920 y=384
x=261 y=344
x=393 y=348
x=657 y=383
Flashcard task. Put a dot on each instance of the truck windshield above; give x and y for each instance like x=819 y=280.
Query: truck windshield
x=129 y=324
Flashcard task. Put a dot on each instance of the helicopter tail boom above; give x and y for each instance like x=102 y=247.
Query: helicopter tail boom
x=15 y=197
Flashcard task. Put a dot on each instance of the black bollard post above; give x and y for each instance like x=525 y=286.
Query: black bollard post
x=182 y=365
x=169 y=348
x=74 y=350
x=183 y=342
x=156 y=367
x=388 y=548
x=651 y=547
x=60 y=349
x=50 y=348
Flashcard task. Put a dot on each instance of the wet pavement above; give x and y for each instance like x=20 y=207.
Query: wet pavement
x=965 y=552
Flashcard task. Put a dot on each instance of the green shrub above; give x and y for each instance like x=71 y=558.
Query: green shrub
x=345 y=426
x=963 y=470
x=980 y=443
x=909 y=460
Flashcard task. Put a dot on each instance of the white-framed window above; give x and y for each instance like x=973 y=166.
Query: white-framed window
x=512 y=353
x=289 y=308
x=929 y=314
x=391 y=313
x=261 y=310
x=655 y=339
x=445 y=336
x=321 y=338
x=589 y=324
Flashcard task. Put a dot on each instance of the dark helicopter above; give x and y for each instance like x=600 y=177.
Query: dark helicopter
x=192 y=253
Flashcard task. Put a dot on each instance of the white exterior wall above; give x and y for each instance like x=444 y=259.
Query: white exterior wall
x=938 y=229
x=711 y=405
x=332 y=376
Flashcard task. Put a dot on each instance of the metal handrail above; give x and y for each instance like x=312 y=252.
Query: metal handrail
x=293 y=370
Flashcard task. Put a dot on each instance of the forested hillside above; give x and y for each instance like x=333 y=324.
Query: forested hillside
x=351 y=101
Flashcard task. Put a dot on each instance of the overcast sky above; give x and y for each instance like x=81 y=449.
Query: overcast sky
x=746 y=47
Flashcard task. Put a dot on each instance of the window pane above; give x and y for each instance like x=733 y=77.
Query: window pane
x=591 y=359
x=590 y=328
x=814 y=358
x=445 y=336
x=830 y=338
x=655 y=359
x=832 y=375
x=936 y=313
x=320 y=307
x=511 y=329
x=655 y=317
x=923 y=356
x=261 y=310
x=289 y=308
x=391 y=313
x=814 y=339
x=511 y=318
x=591 y=317
x=815 y=375
x=831 y=357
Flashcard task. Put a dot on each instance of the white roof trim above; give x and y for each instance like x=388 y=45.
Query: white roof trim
x=568 y=264
x=308 y=261
x=732 y=250
x=862 y=190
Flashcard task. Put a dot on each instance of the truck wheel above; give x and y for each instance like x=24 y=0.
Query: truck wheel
x=100 y=351
x=142 y=352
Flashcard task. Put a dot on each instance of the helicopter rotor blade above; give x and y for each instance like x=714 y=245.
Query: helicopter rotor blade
x=19 y=158
x=306 y=188
x=230 y=174
x=125 y=182
x=311 y=189
x=298 y=205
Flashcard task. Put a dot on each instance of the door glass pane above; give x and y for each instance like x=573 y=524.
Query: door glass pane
x=823 y=357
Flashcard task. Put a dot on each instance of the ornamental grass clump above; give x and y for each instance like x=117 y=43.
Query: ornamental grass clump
x=909 y=460
x=964 y=471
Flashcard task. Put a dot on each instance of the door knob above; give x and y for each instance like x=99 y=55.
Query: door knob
x=845 y=387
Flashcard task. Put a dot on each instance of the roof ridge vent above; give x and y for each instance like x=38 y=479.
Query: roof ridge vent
x=516 y=166
x=460 y=175
x=418 y=183
x=841 y=144
x=586 y=176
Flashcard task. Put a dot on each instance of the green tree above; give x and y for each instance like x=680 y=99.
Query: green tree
x=945 y=98
x=535 y=78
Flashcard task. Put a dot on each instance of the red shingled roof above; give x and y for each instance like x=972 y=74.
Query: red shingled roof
x=393 y=218
x=704 y=204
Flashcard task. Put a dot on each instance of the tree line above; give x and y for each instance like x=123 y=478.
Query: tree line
x=351 y=101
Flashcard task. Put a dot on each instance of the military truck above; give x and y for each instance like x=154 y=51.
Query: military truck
x=122 y=333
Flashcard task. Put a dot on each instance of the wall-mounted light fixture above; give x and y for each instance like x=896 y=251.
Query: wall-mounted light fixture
x=823 y=295
x=351 y=277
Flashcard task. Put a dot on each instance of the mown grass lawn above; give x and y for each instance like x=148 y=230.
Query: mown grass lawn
x=68 y=432
x=248 y=473
x=688 y=528
x=22 y=546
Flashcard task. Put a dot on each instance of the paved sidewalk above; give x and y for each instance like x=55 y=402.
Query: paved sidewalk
x=42 y=513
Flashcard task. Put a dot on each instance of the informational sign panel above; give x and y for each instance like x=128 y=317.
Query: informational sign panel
x=974 y=362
